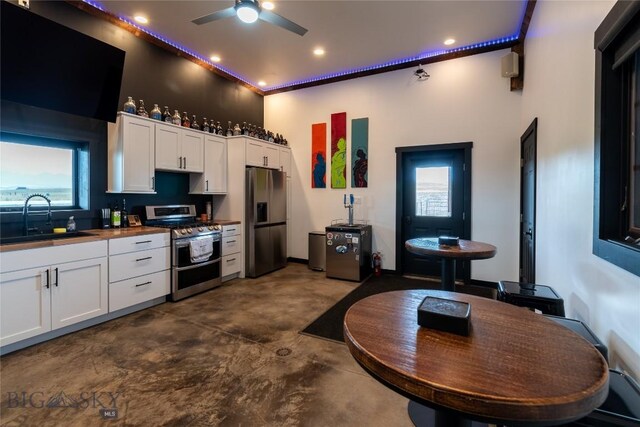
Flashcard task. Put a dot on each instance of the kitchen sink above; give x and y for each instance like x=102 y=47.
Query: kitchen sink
x=40 y=237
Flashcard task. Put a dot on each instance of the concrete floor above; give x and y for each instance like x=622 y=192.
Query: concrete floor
x=232 y=356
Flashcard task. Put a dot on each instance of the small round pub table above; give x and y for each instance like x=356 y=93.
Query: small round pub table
x=467 y=250
x=515 y=367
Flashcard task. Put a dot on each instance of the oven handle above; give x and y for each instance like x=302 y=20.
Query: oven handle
x=181 y=243
x=202 y=264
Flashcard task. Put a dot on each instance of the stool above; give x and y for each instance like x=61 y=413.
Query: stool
x=622 y=407
x=541 y=297
x=584 y=331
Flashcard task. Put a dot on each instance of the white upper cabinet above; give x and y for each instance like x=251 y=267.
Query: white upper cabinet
x=168 y=148
x=214 y=178
x=179 y=149
x=193 y=150
x=263 y=154
x=131 y=155
x=285 y=160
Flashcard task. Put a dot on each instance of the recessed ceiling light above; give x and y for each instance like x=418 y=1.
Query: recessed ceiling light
x=268 y=5
x=318 y=51
x=141 y=19
x=262 y=83
x=215 y=58
x=449 y=41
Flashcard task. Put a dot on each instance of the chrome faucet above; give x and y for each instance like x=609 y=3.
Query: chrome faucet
x=25 y=213
x=349 y=206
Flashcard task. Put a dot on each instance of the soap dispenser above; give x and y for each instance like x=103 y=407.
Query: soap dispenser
x=71 y=225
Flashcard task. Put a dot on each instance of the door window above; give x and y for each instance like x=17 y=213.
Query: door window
x=433 y=191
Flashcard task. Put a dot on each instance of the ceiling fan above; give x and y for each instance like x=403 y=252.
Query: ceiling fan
x=250 y=11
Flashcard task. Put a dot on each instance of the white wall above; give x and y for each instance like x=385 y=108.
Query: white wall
x=559 y=90
x=464 y=100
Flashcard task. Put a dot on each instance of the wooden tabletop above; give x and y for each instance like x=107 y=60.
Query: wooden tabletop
x=514 y=366
x=467 y=249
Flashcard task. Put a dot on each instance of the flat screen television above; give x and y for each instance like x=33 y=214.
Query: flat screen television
x=48 y=65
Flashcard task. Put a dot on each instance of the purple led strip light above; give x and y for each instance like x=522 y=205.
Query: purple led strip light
x=171 y=43
x=425 y=55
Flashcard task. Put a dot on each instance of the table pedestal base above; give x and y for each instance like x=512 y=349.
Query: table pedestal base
x=423 y=416
x=448 y=274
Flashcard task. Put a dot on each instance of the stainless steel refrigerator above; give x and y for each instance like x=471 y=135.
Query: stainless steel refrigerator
x=266 y=221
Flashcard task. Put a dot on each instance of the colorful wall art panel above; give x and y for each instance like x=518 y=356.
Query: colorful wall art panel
x=359 y=152
x=339 y=150
x=318 y=155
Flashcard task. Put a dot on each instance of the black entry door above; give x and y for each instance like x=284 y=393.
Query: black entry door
x=528 y=203
x=433 y=204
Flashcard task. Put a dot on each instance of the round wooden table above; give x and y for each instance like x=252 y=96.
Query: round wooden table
x=515 y=367
x=467 y=250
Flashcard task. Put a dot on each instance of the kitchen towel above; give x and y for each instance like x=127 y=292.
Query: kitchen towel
x=201 y=249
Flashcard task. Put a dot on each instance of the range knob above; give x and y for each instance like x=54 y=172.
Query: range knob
x=200 y=228
x=189 y=230
x=183 y=231
x=211 y=227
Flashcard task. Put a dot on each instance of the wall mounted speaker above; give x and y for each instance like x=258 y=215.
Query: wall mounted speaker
x=510 y=65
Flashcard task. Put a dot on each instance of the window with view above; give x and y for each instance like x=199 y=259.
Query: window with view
x=39 y=166
x=433 y=191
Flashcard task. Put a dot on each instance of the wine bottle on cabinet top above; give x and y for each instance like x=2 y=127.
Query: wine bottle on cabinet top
x=141 y=110
x=130 y=106
x=205 y=125
x=166 y=115
x=185 y=120
x=175 y=119
x=156 y=114
x=194 y=123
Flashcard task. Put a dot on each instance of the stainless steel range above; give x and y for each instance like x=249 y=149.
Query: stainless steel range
x=195 y=249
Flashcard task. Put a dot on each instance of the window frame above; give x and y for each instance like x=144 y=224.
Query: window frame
x=76 y=148
x=612 y=136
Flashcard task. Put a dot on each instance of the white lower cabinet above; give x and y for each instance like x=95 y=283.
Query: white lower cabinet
x=139 y=270
x=78 y=292
x=38 y=298
x=138 y=289
x=25 y=305
x=231 y=251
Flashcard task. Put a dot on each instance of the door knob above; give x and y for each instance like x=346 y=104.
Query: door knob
x=529 y=233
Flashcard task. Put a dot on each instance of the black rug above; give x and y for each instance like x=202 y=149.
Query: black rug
x=329 y=324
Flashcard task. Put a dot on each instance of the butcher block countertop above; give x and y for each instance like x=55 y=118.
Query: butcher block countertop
x=95 y=235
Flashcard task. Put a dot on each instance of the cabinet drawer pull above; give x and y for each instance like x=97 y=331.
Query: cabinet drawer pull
x=56 y=277
x=153 y=183
x=180 y=166
x=207 y=185
x=144 y=241
x=48 y=280
x=185 y=163
x=144 y=259
x=143 y=284
x=231 y=260
x=231 y=241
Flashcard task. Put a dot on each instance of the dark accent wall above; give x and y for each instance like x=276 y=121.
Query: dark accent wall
x=150 y=73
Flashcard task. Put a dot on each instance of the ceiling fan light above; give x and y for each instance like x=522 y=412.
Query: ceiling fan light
x=247 y=12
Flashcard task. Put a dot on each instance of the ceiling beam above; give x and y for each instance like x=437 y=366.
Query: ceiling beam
x=410 y=64
x=112 y=18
